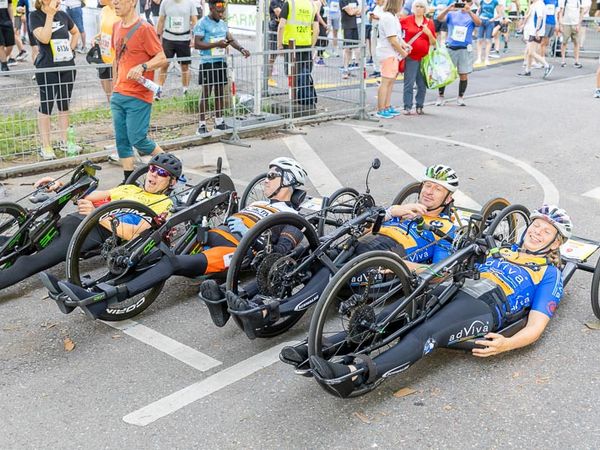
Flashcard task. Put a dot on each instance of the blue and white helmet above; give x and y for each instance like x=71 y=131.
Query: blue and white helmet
x=293 y=173
x=557 y=217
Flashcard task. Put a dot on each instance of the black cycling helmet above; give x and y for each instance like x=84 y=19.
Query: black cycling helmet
x=169 y=162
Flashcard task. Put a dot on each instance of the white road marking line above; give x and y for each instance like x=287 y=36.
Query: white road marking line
x=594 y=193
x=551 y=195
x=210 y=154
x=204 y=174
x=410 y=165
x=319 y=174
x=201 y=389
x=165 y=344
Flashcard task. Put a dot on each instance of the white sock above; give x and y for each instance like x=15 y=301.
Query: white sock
x=218 y=120
x=202 y=123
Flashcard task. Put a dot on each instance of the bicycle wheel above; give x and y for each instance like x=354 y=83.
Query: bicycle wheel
x=491 y=209
x=259 y=264
x=138 y=176
x=98 y=254
x=254 y=191
x=11 y=217
x=596 y=290
x=410 y=194
x=340 y=209
x=209 y=188
x=509 y=225
x=360 y=295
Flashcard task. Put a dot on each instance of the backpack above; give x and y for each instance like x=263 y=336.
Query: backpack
x=305 y=88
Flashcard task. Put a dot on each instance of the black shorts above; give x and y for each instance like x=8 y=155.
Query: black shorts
x=213 y=73
x=105 y=73
x=440 y=26
x=55 y=86
x=368 y=29
x=181 y=49
x=351 y=34
x=7 y=36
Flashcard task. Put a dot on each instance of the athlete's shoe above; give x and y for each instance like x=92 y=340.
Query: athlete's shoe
x=525 y=73
x=440 y=101
x=393 y=111
x=46 y=153
x=597 y=93
x=214 y=300
x=22 y=55
x=577 y=65
x=460 y=101
x=223 y=127
x=384 y=114
x=202 y=131
x=547 y=71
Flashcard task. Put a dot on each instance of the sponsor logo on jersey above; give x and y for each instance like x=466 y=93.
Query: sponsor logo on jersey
x=477 y=328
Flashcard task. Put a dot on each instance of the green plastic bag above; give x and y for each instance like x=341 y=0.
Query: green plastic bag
x=437 y=68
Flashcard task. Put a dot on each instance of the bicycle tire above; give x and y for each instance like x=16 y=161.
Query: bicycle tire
x=236 y=265
x=338 y=217
x=341 y=280
x=130 y=307
x=15 y=215
x=595 y=294
x=407 y=191
x=492 y=206
x=135 y=177
x=248 y=192
x=511 y=223
x=210 y=187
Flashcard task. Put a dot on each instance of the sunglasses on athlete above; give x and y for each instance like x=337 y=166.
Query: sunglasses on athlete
x=273 y=175
x=159 y=171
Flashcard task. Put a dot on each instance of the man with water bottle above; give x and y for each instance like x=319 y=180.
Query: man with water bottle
x=138 y=54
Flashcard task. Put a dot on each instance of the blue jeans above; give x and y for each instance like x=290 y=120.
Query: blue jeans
x=486 y=29
x=412 y=75
x=76 y=14
x=131 y=118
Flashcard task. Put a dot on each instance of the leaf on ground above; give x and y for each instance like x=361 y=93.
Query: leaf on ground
x=69 y=344
x=447 y=407
x=593 y=325
x=363 y=418
x=516 y=374
x=542 y=380
x=117 y=336
x=404 y=392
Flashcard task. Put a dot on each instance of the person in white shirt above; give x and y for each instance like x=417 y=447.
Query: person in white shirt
x=374 y=18
x=533 y=31
x=570 y=15
x=587 y=5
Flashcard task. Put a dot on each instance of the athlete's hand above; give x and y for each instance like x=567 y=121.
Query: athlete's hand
x=42 y=182
x=52 y=8
x=85 y=207
x=245 y=52
x=223 y=43
x=236 y=225
x=498 y=344
x=135 y=73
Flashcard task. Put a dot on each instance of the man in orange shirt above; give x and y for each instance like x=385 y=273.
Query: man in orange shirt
x=138 y=54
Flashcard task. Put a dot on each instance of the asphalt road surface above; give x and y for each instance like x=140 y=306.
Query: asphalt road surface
x=171 y=379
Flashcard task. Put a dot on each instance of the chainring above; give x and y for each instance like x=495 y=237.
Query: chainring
x=362 y=319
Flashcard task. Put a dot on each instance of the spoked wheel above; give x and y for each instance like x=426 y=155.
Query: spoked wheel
x=138 y=176
x=340 y=209
x=348 y=317
x=509 y=225
x=257 y=267
x=410 y=194
x=101 y=248
x=11 y=217
x=209 y=188
x=254 y=191
x=596 y=290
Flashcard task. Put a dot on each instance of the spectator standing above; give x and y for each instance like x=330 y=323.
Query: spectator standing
x=298 y=21
x=212 y=38
x=459 y=43
x=390 y=48
x=441 y=28
x=18 y=12
x=374 y=16
x=570 y=15
x=488 y=11
x=30 y=36
x=7 y=33
x=322 y=39
x=138 y=54
x=155 y=11
x=586 y=5
x=534 y=30
x=370 y=5
x=551 y=30
x=108 y=18
x=57 y=36
x=420 y=33
x=350 y=12
x=175 y=24
x=274 y=13
x=74 y=9
x=334 y=16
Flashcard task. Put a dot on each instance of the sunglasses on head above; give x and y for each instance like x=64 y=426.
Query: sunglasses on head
x=159 y=171
x=273 y=175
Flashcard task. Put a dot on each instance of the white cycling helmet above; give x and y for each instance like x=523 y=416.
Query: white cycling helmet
x=293 y=173
x=443 y=175
x=557 y=217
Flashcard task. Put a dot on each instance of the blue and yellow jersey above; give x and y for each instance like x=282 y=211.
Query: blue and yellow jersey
x=417 y=243
x=527 y=281
x=159 y=203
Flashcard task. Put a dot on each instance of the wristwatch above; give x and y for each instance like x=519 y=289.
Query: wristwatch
x=145 y=67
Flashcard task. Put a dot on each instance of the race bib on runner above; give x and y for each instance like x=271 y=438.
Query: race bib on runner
x=105 y=44
x=550 y=10
x=61 y=50
x=217 y=51
x=4 y=4
x=459 y=34
x=176 y=24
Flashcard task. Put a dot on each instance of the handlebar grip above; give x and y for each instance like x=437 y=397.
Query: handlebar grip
x=378 y=221
x=39 y=197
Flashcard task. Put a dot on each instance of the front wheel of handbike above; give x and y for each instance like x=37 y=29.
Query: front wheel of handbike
x=509 y=225
x=596 y=290
x=107 y=250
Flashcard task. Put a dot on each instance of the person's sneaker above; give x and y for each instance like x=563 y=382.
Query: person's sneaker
x=223 y=127
x=22 y=55
x=495 y=55
x=4 y=67
x=460 y=101
x=440 y=101
x=597 y=93
x=82 y=50
x=578 y=65
x=345 y=75
x=12 y=62
x=477 y=61
x=526 y=73
x=393 y=111
x=407 y=112
x=548 y=70
x=563 y=64
x=505 y=49
x=376 y=74
x=486 y=62
x=326 y=54
x=202 y=130
x=114 y=158
x=46 y=153
x=537 y=66
x=272 y=83
x=320 y=62
x=384 y=114
x=370 y=61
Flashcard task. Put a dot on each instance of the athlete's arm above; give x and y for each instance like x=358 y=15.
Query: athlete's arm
x=97 y=196
x=536 y=324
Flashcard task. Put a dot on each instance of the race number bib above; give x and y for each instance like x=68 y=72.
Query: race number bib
x=4 y=4
x=459 y=34
x=217 y=51
x=61 y=50
x=550 y=10
x=105 y=44
x=176 y=24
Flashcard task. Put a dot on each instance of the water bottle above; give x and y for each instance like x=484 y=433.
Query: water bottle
x=72 y=149
x=151 y=86
x=180 y=186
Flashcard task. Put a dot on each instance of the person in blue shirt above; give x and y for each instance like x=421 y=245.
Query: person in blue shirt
x=551 y=29
x=441 y=28
x=523 y=280
x=461 y=23
x=213 y=39
x=489 y=12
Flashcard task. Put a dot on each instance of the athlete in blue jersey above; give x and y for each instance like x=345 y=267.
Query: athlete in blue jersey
x=518 y=281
